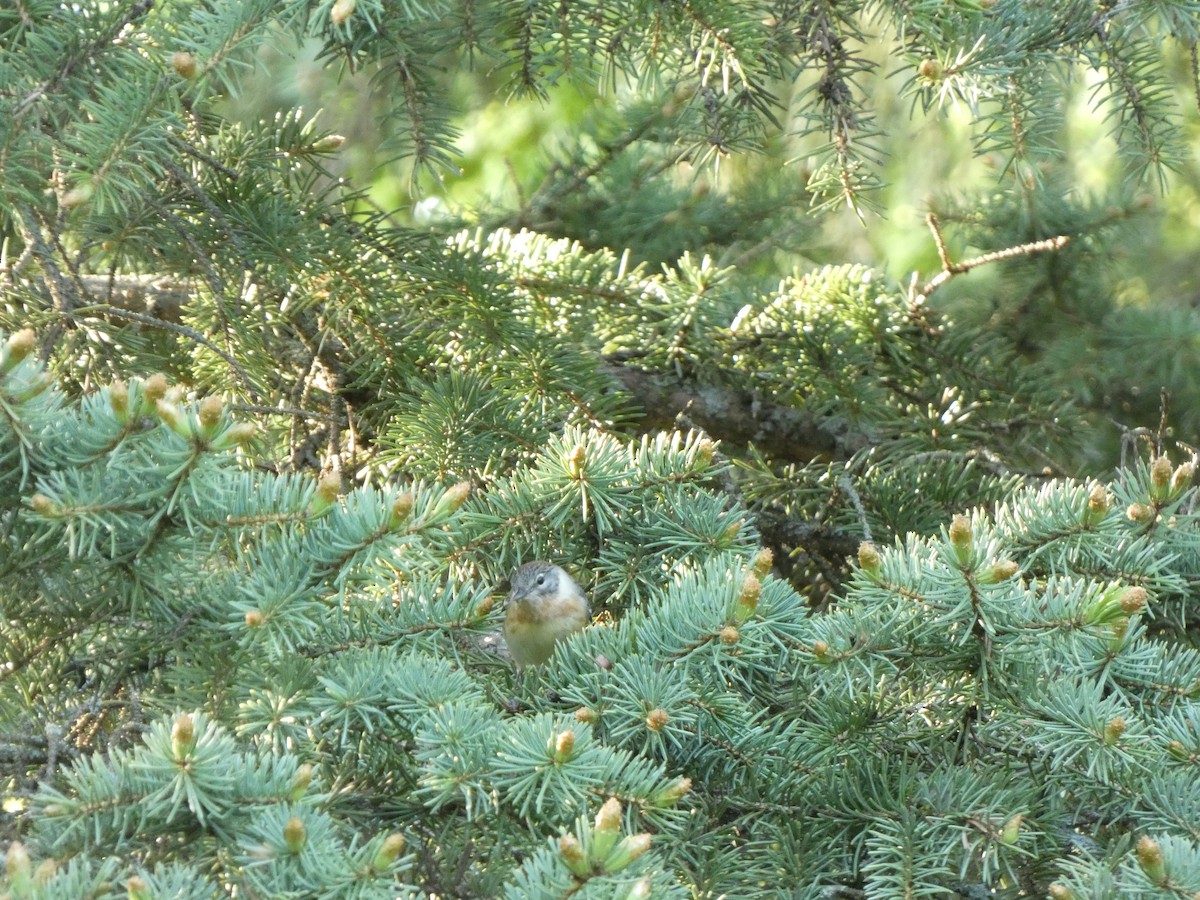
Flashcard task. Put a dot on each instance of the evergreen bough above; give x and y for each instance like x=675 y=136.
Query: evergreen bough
x=273 y=687
x=221 y=674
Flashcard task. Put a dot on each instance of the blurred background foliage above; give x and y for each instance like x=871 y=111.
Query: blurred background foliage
x=581 y=160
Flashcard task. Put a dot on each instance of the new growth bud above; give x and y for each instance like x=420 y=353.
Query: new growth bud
x=17 y=864
x=1150 y=858
x=1011 y=830
x=118 y=398
x=183 y=735
x=657 y=719
x=747 y=599
x=389 y=850
x=210 y=412
x=1113 y=731
x=868 y=558
x=454 y=497
x=155 y=388
x=763 y=562
x=295 y=834
x=300 y=782
x=1160 y=477
x=627 y=851
x=607 y=828
x=673 y=793
x=341 y=11
x=1181 y=480
x=17 y=348
x=564 y=744
x=575 y=462
x=1139 y=512
x=1099 y=502
x=573 y=855
x=961 y=538
x=184 y=64
x=1000 y=571
x=402 y=508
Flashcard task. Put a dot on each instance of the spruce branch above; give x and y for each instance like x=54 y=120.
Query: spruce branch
x=953 y=269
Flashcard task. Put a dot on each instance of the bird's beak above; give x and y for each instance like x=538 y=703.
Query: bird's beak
x=511 y=600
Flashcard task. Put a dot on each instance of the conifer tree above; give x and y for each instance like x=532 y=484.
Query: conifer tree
x=876 y=614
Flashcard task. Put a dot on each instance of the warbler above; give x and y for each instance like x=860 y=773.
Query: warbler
x=545 y=605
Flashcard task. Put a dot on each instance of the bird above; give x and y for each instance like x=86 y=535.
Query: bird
x=544 y=606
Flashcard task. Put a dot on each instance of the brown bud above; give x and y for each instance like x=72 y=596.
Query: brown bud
x=1138 y=512
x=657 y=719
x=210 y=412
x=821 y=651
x=237 y=435
x=43 y=505
x=155 y=387
x=763 y=562
x=486 y=605
x=137 y=888
x=1179 y=751
x=930 y=69
x=184 y=64
x=603 y=662
x=705 y=450
x=1059 y=891
x=729 y=635
x=607 y=827
x=455 y=496
x=586 y=715
x=254 y=618
x=1133 y=600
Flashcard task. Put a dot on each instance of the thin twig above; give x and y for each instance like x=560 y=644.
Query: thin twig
x=951 y=269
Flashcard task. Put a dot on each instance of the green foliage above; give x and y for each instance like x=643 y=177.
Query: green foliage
x=974 y=707
x=222 y=674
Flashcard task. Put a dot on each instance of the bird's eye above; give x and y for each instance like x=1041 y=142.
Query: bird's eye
x=541 y=579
